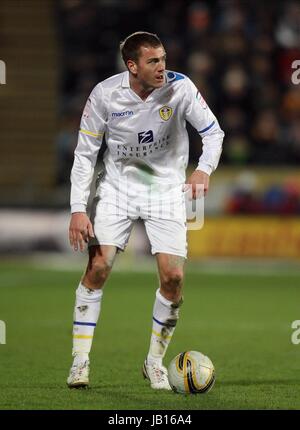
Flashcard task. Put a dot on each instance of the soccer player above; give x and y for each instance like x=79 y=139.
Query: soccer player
x=143 y=113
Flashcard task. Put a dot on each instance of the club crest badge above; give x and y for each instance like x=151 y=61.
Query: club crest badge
x=87 y=108
x=165 y=112
x=200 y=98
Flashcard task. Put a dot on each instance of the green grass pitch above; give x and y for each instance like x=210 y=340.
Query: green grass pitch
x=241 y=321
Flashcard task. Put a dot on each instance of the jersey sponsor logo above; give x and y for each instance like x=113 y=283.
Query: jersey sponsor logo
x=121 y=114
x=145 y=136
x=201 y=100
x=143 y=149
x=165 y=112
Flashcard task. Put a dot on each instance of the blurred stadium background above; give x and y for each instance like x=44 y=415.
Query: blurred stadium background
x=240 y=55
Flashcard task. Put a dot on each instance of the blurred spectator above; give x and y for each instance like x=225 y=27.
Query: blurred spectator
x=266 y=138
x=244 y=198
x=291 y=103
x=292 y=139
x=287 y=31
x=237 y=150
x=249 y=197
x=239 y=54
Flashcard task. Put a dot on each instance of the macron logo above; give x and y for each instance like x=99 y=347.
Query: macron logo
x=120 y=114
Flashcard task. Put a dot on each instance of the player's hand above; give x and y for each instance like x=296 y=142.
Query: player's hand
x=198 y=178
x=80 y=230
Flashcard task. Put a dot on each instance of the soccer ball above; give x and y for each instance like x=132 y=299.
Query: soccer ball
x=191 y=372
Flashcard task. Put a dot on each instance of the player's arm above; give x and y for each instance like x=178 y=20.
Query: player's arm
x=199 y=115
x=92 y=128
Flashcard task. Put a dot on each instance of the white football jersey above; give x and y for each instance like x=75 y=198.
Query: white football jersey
x=144 y=137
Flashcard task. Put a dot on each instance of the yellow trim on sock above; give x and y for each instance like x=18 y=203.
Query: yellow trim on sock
x=159 y=335
x=82 y=336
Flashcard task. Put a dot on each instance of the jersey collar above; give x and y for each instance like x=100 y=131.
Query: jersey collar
x=125 y=80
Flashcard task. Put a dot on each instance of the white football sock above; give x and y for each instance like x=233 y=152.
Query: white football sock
x=86 y=314
x=165 y=316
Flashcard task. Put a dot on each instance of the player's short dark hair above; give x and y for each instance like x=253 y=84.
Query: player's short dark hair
x=130 y=47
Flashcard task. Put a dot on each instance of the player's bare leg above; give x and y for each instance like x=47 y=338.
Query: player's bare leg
x=165 y=315
x=87 y=309
x=171 y=272
x=101 y=259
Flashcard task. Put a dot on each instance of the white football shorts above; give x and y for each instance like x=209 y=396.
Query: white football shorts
x=162 y=209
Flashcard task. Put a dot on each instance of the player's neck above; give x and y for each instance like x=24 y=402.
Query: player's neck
x=142 y=91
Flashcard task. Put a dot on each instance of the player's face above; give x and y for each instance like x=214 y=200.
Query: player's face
x=151 y=66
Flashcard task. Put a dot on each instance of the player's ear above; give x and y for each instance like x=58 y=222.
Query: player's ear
x=132 y=66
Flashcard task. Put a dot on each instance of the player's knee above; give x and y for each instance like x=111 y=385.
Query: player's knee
x=100 y=266
x=99 y=270
x=172 y=279
x=171 y=289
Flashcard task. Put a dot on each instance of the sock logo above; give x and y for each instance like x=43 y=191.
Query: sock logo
x=83 y=309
